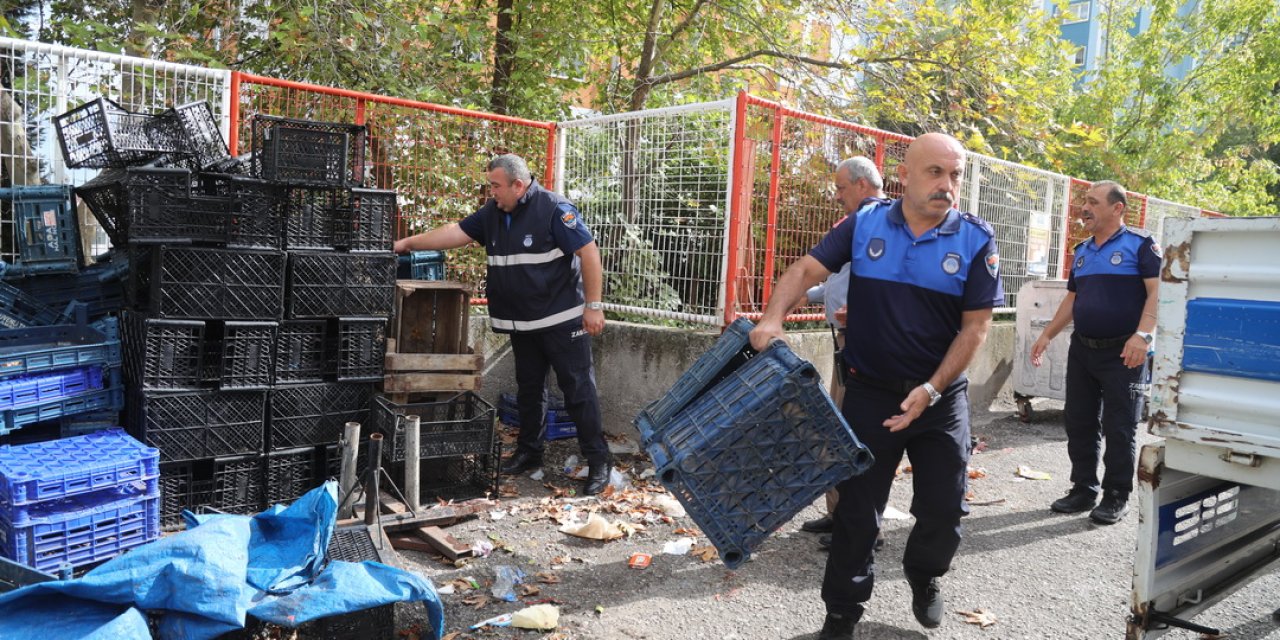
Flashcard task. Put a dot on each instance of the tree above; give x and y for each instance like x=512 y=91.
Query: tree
x=1206 y=136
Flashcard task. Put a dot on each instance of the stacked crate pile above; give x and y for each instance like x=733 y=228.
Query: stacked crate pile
x=77 y=501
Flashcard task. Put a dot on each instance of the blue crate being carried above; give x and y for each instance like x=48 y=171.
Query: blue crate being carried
x=421 y=265
x=48 y=236
x=747 y=455
x=731 y=351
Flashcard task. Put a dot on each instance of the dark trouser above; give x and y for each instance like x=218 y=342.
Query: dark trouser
x=1097 y=379
x=937 y=443
x=568 y=353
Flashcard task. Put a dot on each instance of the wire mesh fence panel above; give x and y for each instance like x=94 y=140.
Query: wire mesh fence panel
x=433 y=157
x=1024 y=206
x=1158 y=210
x=652 y=188
x=39 y=81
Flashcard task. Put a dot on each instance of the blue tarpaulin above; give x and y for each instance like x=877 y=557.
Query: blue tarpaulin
x=205 y=581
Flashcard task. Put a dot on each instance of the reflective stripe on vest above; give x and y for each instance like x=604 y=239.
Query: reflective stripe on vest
x=534 y=325
x=525 y=258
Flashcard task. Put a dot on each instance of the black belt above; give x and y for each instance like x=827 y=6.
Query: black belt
x=1095 y=343
x=897 y=386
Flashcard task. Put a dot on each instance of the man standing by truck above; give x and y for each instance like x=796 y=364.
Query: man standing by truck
x=1111 y=297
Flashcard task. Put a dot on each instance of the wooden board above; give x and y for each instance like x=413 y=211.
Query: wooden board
x=425 y=382
x=450 y=546
x=433 y=362
x=432 y=319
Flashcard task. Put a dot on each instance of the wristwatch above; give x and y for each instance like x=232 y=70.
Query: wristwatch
x=595 y=306
x=1145 y=336
x=934 y=396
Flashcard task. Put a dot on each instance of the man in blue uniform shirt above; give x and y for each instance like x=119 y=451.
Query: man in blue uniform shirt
x=1111 y=297
x=922 y=286
x=544 y=286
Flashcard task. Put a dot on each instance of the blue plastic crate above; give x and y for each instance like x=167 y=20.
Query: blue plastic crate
x=421 y=265
x=100 y=296
x=749 y=454
x=559 y=424
x=47 y=234
x=20 y=310
x=23 y=391
x=731 y=351
x=82 y=530
x=36 y=349
x=110 y=398
x=86 y=423
x=53 y=470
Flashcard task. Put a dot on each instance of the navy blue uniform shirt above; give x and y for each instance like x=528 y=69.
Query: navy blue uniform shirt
x=1108 y=283
x=534 y=280
x=907 y=294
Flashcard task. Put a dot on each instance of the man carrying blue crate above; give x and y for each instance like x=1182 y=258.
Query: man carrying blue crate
x=1111 y=299
x=545 y=283
x=923 y=282
x=858 y=184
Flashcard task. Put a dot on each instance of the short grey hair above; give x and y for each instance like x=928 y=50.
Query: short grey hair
x=1115 y=192
x=861 y=167
x=514 y=165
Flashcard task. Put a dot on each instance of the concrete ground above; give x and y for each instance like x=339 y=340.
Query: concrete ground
x=1040 y=574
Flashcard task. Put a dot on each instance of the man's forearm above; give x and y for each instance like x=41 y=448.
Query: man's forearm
x=960 y=354
x=592 y=273
x=450 y=236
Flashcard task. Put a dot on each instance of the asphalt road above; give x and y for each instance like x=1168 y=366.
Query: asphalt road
x=1042 y=575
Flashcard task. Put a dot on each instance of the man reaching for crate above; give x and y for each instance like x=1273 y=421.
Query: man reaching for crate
x=922 y=285
x=544 y=288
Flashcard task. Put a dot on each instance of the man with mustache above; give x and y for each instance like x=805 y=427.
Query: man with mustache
x=923 y=283
x=1111 y=297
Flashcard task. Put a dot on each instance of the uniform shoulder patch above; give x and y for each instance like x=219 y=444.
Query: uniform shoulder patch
x=978 y=222
x=568 y=215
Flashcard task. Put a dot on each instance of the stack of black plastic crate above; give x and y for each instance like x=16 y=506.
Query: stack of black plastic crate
x=338 y=296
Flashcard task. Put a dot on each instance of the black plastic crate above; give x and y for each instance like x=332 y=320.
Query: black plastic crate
x=256 y=215
x=292 y=473
x=232 y=484
x=327 y=285
x=151 y=195
x=301 y=355
x=337 y=349
x=313 y=216
x=373 y=212
x=455 y=477
x=103 y=134
x=456 y=425
x=201 y=283
x=48 y=236
x=200 y=424
x=315 y=414
x=186 y=355
x=307 y=151
x=202 y=136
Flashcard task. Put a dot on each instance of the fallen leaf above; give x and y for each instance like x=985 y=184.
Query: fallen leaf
x=974 y=474
x=508 y=491
x=452 y=636
x=476 y=601
x=980 y=617
x=546 y=577
x=461 y=585
x=705 y=554
x=685 y=531
x=527 y=590
x=559 y=560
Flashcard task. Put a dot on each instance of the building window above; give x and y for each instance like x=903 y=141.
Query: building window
x=1076 y=12
x=1079 y=57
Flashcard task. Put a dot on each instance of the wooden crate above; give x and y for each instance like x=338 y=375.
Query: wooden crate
x=428 y=349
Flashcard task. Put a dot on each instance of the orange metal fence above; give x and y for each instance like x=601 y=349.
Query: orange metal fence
x=432 y=155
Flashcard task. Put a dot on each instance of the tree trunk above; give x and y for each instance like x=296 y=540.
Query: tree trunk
x=504 y=58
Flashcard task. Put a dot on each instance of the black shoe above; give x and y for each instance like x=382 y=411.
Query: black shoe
x=1113 y=507
x=926 y=601
x=824 y=542
x=597 y=479
x=1077 y=500
x=521 y=462
x=838 y=627
x=821 y=525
